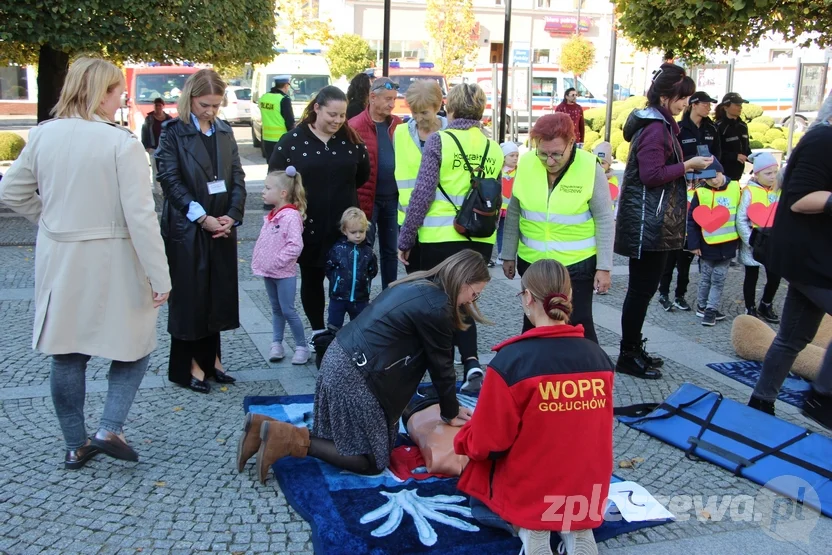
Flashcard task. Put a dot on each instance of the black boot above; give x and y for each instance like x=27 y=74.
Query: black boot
x=630 y=362
x=650 y=360
x=766 y=312
x=761 y=405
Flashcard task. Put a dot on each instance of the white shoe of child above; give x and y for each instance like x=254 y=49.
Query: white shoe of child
x=301 y=356
x=535 y=542
x=579 y=542
x=276 y=352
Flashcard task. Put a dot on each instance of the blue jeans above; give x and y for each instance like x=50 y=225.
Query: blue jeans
x=386 y=226
x=69 y=389
x=712 y=276
x=282 y=298
x=339 y=309
x=485 y=516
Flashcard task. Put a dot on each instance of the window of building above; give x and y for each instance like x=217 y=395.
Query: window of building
x=776 y=54
x=399 y=49
x=13 y=83
x=541 y=56
x=544 y=3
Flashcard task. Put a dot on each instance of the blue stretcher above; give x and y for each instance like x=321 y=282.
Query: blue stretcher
x=747 y=442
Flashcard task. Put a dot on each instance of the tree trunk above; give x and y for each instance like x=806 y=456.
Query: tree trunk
x=52 y=69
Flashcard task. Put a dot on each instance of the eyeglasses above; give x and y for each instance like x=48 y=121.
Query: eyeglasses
x=389 y=85
x=555 y=156
x=476 y=295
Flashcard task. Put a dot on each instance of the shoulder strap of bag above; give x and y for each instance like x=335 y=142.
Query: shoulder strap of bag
x=468 y=164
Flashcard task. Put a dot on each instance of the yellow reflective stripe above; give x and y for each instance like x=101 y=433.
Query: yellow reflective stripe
x=565 y=219
x=547 y=246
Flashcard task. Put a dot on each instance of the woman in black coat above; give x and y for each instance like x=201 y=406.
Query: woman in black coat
x=333 y=162
x=205 y=195
x=733 y=135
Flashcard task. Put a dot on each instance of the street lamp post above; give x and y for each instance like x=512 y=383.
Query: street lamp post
x=504 y=95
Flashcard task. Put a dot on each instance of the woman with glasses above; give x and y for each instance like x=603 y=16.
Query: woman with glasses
x=519 y=405
x=373 y=368
x=428 y=235
x=561 y=210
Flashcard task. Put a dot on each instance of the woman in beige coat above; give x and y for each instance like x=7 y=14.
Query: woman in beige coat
x=100 y=267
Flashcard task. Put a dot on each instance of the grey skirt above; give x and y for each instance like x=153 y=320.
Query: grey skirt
x=348 y=413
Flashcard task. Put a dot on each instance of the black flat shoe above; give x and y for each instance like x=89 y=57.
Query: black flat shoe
x=76 y=458
x=223 y=377
x=113 y=446
x=200 y=386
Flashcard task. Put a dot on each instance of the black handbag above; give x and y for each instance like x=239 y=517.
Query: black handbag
x=480 y=211
x=760 y=241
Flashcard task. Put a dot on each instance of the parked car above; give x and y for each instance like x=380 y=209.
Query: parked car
x=237 y=107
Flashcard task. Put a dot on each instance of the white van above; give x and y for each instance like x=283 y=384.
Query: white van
x=310 y=73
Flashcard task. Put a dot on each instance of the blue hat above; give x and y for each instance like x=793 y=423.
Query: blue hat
x=282 y=79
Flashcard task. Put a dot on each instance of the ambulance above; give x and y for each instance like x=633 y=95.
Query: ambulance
x=406 y=73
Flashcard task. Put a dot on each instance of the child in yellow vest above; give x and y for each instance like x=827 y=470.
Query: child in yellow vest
x=603 y=151
x=757 y=206
x=712 y=235
x=510 y=156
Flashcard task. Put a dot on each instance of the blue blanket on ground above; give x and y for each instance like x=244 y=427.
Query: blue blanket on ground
x=794 y=390
x=353 y=514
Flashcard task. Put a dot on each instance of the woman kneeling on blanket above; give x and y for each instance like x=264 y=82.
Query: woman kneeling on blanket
x=540 y=439
x=372 y=369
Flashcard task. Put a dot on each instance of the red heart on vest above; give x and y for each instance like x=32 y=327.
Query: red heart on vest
x=761 y=214
x=711 y=219
x=613 y=191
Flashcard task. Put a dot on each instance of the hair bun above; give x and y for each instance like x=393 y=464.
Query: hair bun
x=557 y=302
x=291 y=171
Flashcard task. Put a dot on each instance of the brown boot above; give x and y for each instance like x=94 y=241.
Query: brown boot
x=279 y=440
x=250 y=440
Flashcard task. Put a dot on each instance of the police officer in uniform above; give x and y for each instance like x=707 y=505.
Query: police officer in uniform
x=695 y=129
x=276 y=112
x=733 y=135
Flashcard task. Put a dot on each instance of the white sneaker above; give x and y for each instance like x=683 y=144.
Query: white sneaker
x=311 y=345
x=579 y=542
x=473 y=381
x=535 y=542
x=276 y=352
x=301 y=356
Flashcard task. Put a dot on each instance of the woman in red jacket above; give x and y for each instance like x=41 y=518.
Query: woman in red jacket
x=539 y=388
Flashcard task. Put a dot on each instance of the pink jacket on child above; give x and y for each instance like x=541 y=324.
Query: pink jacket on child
x=279 y=245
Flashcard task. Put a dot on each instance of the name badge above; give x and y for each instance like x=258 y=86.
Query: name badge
x=216 y=187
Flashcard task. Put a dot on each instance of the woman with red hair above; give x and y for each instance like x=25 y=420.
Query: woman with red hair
x=561 y=210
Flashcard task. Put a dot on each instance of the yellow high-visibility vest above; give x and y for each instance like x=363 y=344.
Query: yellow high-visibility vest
x=730 y=199
x=274 y=126
x=764 y=197
x=438 y=226
x=408 y=160
x=559 y=225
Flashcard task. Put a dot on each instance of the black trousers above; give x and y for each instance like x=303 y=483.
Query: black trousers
x=268 y=146
x=582 y=276
x=749 y=286
x=204 y=351
x=680 y=261
x=312 y=295
x=645 y=275
x=427 y=255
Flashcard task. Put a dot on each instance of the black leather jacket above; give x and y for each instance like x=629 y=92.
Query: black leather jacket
x=406 y=330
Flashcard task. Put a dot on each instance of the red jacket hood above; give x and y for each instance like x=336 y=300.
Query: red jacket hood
x=564 y=330
x=366 y=128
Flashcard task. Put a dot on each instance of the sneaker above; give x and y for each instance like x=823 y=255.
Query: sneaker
x=491 y=263
x=818 y=407
x=276 y=352
x=631 y=363
x=473 y=377
x=719 y=316
x=665 y=302
x=311 y=344
x=301 y=356
x=579 y=542
x=761 y=405
x=709 y=319
x=766 y=312
x=700 y=311
x=652 y=361
x=752 y=312
x=681 y=304
x=535 y=542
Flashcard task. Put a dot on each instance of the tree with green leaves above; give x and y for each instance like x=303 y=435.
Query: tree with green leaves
x=348 y=55
x=51 y=32
x=454 y=30
x=691 y=28
x=577 y=55
x=298 y=24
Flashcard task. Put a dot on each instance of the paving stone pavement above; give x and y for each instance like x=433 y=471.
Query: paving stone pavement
x=185 y=497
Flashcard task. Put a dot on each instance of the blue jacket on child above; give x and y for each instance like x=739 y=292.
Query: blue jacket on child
x=350 y=269
x=695 y=240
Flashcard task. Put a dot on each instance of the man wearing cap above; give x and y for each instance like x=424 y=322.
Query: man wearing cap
x=379 y=196
x=276 y=113
x=733 y=135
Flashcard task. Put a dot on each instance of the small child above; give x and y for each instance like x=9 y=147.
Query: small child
x=351 y=266
x=276 y=254
x=713 y=237
x=603 y=151
x=510 y=156
x=762 y=190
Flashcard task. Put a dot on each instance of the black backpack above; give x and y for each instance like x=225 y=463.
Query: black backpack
x=480 y=211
